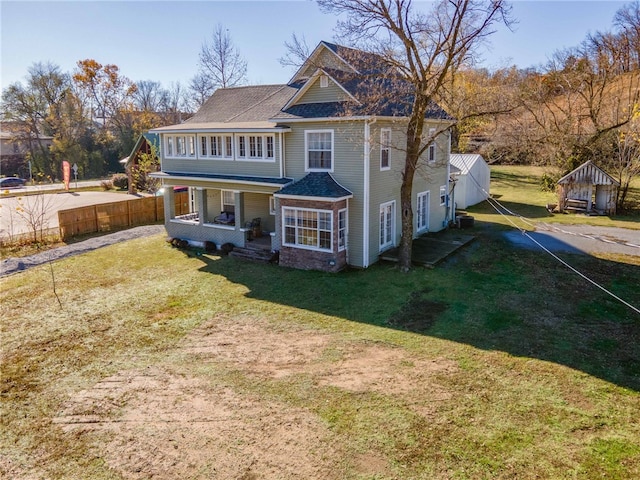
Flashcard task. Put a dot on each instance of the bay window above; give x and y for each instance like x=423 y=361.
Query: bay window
x=307 y=228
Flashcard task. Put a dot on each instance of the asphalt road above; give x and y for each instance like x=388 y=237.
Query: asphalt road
x=581 y=239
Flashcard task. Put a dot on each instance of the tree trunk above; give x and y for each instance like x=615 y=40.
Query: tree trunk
x=414 y=139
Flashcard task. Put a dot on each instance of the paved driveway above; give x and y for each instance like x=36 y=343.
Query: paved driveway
x=584 y=239
x=46 y=207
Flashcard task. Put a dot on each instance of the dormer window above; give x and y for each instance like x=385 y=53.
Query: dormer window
x=324 y=81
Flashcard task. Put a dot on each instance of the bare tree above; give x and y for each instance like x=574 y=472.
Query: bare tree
x=220 y=65
x=625 y=163
x=423 y=49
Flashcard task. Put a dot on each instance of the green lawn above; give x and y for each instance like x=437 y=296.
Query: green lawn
x=499 y=363
x=519 y=189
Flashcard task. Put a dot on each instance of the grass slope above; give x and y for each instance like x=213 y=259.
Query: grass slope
x=544 y=377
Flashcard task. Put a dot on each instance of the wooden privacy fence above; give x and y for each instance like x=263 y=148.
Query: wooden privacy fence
x=106 y=217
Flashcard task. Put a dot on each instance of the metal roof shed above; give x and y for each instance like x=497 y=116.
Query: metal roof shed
x=473 y=179
x=588 y=189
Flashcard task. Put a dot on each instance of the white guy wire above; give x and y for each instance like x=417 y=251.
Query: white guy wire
x=524 y=232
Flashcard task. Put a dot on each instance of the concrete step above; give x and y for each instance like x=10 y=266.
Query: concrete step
x=256 y=255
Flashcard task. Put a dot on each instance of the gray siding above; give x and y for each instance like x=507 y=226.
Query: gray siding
x=257 y=206
x=317 y=94
x=348 y=162
x=385 y=184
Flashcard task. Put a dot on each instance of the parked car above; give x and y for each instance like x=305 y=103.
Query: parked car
x=12 y=182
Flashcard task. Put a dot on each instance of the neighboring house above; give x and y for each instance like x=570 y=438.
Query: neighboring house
x=316 y=162
x=588 y=189
x=471 y=179
x=14 y=146
x=147 y=144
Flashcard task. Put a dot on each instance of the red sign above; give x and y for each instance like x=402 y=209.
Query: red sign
x=66 y=174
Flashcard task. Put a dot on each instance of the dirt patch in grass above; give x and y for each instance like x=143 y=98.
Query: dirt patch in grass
x=419 y=314
x=156 y=424
x=163 y=423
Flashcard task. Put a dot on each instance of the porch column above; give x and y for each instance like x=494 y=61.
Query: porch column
x=169 y=200
x=204 y=207
x=201 y=204
x=239 y=209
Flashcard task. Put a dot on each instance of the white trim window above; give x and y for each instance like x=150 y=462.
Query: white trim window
x=272 y=205
x=324 y=81
x=181 y=146
x=256 y=147
x=318 y=146
x=228 y=201
x=228 y=146
x=385 y=149
x=169 y=146
x=387 y=224
x=307 y=228
x=343 y=225
x=443 y=195
x=422 y=210
x=431 y=155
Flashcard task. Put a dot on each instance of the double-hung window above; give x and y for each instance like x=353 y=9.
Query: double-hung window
x=385 y=149
x=342 y=229
x=319 y=150
x=228 y=201
x=215 y=146
x=228 y=146
x=308 y=228
x=170 y=147
x=432 y=146
x=181 y=146
x=256 y=147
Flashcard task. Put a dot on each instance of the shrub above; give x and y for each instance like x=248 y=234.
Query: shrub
x=548 y=182
x=120 y=181
x=210 y=247
x=225 y=248
x=106 y=185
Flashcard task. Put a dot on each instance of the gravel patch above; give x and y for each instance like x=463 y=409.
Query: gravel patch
x=12 y=265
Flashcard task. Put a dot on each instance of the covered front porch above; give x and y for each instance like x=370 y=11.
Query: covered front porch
x=221 y=210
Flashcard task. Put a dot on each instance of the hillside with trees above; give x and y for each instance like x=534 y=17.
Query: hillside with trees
x=583 y=105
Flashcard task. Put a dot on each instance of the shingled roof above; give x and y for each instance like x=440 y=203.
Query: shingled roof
x=316 y=184
x=243 y=104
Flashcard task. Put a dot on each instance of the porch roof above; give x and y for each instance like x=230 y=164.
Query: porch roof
x=271 y=181
x=315 y=184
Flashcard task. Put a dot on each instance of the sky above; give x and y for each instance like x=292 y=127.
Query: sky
x=160 y=40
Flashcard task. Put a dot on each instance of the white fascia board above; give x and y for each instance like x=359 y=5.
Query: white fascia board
x=315 y=54
x=309 y=83
x=313 y=199
x=164 y=176
x=223 y=130
x=322 y=119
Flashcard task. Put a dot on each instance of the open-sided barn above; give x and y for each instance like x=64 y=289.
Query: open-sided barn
x=588 y=189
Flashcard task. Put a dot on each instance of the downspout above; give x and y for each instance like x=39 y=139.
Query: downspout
x=280 y=147
x=367 y=192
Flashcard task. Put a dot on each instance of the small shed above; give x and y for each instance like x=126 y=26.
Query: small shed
x=588 y=189
x=147 y=143
x=472 y=177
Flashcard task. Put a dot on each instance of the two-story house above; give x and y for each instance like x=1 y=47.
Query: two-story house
x=317 y=161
